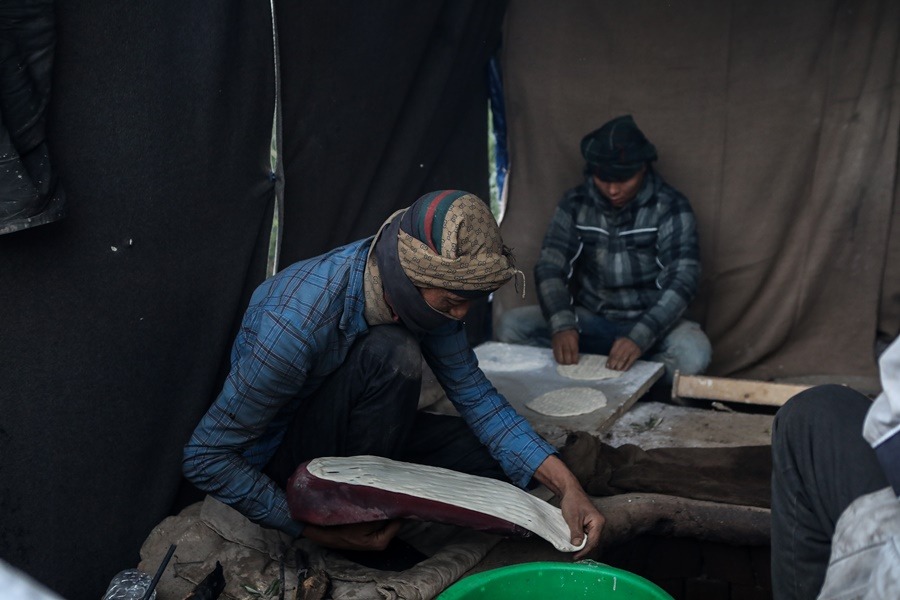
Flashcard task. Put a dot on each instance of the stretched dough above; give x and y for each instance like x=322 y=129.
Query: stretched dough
x=356 y=489
x=568 y=402
x=589 y=367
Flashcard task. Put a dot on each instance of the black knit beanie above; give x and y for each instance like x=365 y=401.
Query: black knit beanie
x=617 y=150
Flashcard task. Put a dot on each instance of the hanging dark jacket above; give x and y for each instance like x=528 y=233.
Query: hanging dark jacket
x=29 y=191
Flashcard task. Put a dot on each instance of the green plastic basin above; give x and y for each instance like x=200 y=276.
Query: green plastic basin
x=555 y=581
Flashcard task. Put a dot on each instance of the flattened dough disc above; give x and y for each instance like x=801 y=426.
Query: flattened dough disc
x=589 y=367
x=568 y=402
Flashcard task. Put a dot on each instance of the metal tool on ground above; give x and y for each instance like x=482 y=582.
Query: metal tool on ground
x=159 y=572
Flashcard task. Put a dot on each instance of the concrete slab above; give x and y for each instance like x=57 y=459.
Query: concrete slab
x=658 y=425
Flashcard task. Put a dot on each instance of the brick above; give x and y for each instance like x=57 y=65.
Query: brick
x=761 y=559
x=673 y=558
x=750 y=593
x=631 y=556
x=728 y=563
x=699 y=588
x=673 y=587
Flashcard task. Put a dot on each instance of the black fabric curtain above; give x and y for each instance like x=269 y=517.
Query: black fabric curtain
x=118 y=319
x=381 y=104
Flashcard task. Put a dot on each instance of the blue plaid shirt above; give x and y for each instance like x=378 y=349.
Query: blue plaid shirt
x=638 y=264
x=298 y=329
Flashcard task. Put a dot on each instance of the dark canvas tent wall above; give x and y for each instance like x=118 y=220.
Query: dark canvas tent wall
x=779 y=121
x=118 y=318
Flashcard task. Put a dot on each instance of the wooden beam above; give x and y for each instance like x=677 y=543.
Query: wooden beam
x=733 y=390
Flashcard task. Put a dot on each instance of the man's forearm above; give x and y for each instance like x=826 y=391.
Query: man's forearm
x=584 y=520
x=554 y=474
x=556 y=304
x=657 y=320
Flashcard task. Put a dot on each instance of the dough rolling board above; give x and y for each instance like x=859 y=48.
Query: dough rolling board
x=522 y=373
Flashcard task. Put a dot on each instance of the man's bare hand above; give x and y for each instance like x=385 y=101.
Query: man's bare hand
x=583 y=519
x=375 y=535
x=565 y=346
x=579 y=512
x=623 y=354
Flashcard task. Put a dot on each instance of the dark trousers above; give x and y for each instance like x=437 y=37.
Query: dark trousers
x=820 y=464
x=369 y=406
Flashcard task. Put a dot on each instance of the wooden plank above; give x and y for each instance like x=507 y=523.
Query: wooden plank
x=734 y=390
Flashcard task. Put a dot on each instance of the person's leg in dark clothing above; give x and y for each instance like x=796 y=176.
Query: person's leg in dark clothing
x=523 y=325
x=367 y=406
x=598 y=333
x=820 y=464
x=447 y=441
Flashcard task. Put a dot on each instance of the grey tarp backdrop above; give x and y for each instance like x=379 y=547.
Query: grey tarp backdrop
x=118 y=319
x=778 y=119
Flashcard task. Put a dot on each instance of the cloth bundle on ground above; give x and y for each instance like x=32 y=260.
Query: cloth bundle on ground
x=254 y=557
x=737 y=475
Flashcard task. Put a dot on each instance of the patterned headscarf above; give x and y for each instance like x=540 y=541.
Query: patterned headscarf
x=617 y=150
x=447 y=239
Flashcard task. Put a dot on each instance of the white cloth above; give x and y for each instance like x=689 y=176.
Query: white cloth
x=865 y=550
x=17 y=585
x=883 y=419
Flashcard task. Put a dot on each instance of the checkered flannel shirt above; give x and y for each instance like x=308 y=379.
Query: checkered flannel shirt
x=639 y=264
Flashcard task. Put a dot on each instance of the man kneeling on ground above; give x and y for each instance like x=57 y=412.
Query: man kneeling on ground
x=328 y=362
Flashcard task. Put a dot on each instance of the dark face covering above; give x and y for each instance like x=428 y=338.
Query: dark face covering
x=402 y=296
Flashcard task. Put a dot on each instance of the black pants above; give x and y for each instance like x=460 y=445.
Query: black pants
x=369 y=406
x=820 y=464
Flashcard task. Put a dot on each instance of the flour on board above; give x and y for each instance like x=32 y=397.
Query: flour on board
x=498 y=357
